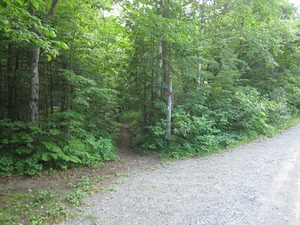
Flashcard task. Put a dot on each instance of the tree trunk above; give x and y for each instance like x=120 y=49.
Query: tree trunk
x=145 y=103
x=34 y=69
x=163 y=62
x=12 y=106
x=2 y=102
x=202 y=23
x=46 y=89
x=51 y=95
x=34 y=86
x=160 y=64
x=159 y=77
x=168 y=84
x=169 y=109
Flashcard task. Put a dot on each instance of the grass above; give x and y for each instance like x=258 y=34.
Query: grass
x=54 y=204
x=93 y=219
x=48 y=206
x=32 y=207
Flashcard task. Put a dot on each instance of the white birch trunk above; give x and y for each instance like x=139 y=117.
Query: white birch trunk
x=34 y=86
x=169 y=109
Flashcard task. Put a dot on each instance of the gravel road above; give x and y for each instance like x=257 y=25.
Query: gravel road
x=256 y=183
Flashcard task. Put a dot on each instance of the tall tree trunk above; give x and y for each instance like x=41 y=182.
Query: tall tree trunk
x=169 y=109
x=168 y=84
x=12 y=106
x=34 y=69
x=34 y=86
x=145 y=103
x=46 y=89
x=159 y=73
x=164 y=78
x=51 y=95
x=2 y=102
x=202 y=23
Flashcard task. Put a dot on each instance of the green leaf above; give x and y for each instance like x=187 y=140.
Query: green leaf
x=46 y=157
x=24 y=150
x=74 y=159
x=81 y=101
x=21 y=2
x=49 y=58
x=35 y=4
x=50 y=32
x=52 y=147
x=8 y=2
x=64 y=46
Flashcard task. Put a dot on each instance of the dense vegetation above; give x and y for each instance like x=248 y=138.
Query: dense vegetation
x=199 y=75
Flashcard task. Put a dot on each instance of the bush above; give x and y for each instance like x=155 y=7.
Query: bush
x=191 y=135
x=256 y=114
x=62 y=142
x=227 y=119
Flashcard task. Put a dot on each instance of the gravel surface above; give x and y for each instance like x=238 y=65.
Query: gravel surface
x=257 y=183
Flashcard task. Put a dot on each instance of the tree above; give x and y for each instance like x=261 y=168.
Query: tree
x=34 y=68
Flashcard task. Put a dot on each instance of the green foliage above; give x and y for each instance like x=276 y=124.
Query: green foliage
x=17 y=149
x=63 y=143
x=129 y=115
x=86 y=152
x=152 y=139
x=76 y=198
x=254 y=113
x=236 y=116
x=234 y=67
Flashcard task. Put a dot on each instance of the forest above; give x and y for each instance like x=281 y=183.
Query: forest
x=194 y=76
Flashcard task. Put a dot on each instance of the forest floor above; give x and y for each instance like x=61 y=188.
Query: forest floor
x=256 y=183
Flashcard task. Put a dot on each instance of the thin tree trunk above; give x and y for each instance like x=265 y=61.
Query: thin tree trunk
x=160 y=64
x=201 y=35
x=46 y=90
x=168 y=83
x=12 y=106
x=159 y=77
x=169 y=109
x=145 y=103
x=51 y=95
x=2 y=104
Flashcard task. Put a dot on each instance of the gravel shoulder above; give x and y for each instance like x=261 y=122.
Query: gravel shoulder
x=256 y=183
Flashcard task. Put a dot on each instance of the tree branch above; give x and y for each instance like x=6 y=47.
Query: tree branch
x=51 y=11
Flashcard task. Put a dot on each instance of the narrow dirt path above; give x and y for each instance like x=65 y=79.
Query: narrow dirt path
x=129 y=156
x=257 y=183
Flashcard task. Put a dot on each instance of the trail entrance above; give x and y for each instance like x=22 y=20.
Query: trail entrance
x=131 y=157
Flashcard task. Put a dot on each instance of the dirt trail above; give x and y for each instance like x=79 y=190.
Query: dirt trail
x=257 y=183
x=129 y=156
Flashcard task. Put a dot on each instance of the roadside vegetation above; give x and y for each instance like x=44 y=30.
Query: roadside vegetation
x=60 y=200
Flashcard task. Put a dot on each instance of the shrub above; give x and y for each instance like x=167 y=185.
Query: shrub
x=62 y=142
